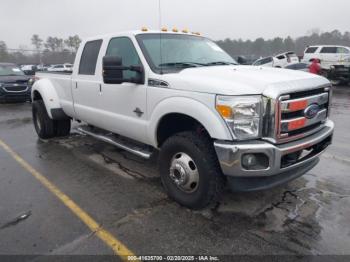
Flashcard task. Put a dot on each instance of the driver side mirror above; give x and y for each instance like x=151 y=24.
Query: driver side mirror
x=113 y=71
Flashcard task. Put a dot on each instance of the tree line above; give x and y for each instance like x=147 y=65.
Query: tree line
x=261 y=47
x=54 y=50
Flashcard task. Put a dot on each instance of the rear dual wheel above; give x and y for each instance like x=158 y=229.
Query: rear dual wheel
x=45 y=126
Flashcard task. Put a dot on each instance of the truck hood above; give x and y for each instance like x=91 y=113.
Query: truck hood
x=243 y=80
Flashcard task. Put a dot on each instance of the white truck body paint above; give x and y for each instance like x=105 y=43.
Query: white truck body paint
x=191 y=92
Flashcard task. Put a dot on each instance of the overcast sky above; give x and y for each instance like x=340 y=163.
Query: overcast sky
x=218 y=19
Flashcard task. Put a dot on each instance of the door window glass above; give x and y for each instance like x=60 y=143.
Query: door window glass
x=342 y=50
x=125 y=49
x=310 y=50
x=329 y=50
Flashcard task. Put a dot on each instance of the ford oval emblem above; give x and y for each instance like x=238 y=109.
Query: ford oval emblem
x=311 y=111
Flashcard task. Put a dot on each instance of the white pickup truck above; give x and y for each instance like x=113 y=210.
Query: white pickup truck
x=179 y=94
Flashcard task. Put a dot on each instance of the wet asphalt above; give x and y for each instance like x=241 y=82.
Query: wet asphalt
x=123 y=193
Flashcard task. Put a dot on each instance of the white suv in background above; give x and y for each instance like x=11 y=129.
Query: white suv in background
x=61 y=68
x=330 y=55
x=281 y=60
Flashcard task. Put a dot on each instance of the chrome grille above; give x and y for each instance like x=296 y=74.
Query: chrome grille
x=295 y=115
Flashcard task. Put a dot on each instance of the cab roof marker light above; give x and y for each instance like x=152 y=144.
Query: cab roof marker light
x=175 y=30
x=164 y=29
x=185 y=31
x=144 y=29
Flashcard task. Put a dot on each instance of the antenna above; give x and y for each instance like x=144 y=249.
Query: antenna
x=160 y=34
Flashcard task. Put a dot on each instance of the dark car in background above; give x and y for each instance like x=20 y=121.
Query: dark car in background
x=15 y=86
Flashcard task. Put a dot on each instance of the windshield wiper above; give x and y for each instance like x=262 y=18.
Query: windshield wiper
x=219 y=63
x=181 y=64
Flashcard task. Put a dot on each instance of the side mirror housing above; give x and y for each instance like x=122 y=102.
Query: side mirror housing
x=113 y=71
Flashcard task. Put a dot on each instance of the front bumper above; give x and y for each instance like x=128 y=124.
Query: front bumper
x=240 y=179
x=15 y=96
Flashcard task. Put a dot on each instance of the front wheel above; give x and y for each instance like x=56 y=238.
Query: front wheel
x=190 y=171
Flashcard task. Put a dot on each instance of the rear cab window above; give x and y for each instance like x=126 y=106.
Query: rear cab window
x=88 y=60
x=311 y=50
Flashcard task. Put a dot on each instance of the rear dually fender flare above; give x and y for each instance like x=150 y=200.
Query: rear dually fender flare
x=47 y=92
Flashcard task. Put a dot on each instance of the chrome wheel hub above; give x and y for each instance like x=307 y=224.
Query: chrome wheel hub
x=184 y=172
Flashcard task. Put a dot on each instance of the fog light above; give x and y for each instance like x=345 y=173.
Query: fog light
x=257 y=161
x=249 y=160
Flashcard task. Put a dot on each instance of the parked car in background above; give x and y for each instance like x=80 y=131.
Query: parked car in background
x=269 y=61
x=61 y=68
x=42 y=67
x=329 y=55
x=281 y=60
x=286 y=59
x=335 y=60
x=29 y=69
x=299 y=66
x=245 y=60
x=14 y=84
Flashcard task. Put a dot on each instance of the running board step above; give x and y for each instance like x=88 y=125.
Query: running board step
x=126 y=144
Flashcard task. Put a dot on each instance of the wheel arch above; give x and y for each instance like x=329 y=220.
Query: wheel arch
x=186 y=112
x=44 y=90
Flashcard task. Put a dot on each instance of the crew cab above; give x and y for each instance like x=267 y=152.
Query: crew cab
x=15 y=86
x=211 y=121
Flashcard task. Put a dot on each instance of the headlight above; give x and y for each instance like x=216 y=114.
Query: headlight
x=242 y=115
x=30 y=81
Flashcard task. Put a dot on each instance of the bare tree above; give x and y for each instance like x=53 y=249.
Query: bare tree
x=37 y=42
x=73 y=42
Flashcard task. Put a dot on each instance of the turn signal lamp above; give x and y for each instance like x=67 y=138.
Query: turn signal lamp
x=298 y=105
x=224 y=111
x=144 y=29
x=296 y=124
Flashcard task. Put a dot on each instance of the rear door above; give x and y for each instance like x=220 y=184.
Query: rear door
x=86 y=83
x=344 y=56
x=329 y=56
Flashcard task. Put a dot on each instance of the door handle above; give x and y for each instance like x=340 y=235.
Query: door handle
x=76 y=85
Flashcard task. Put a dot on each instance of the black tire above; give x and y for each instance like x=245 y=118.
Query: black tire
x=211 y=180
x=44 y=125
x=62 y=127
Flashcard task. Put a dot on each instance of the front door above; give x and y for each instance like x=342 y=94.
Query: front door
x=124 y=105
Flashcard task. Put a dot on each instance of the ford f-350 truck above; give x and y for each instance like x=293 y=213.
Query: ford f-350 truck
x=213 y=122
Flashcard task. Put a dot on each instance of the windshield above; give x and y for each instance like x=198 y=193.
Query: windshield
x=181 y=51
x=10 y=70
